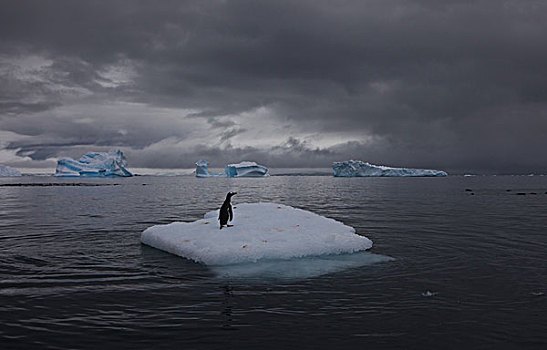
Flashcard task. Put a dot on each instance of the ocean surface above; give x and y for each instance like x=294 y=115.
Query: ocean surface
x=465 y=266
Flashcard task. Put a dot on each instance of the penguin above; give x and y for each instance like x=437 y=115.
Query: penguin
x=225 y=214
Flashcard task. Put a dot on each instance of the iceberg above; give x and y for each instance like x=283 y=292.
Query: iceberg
x=6 y=171
x=357 y=168
x=262 y=232
x=243 y=169
x=94 y=164
x=203 y=171
x=246 y=169
x=201 y=168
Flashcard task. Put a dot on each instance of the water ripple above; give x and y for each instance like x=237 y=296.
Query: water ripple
x=469 y=268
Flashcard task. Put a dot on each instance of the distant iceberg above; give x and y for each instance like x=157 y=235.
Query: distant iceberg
x=246 y=169
x=243 y=169
x=203 y=171
x=94 y=164
x=357 y=168
x=201 y=168
x=261 y=232
x=6 y=171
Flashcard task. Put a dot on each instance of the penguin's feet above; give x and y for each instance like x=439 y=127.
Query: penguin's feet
x=229 y=225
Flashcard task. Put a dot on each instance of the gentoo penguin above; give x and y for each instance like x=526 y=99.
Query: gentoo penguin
x=225 y=214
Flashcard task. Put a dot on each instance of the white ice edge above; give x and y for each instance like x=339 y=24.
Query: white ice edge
x=298 y=268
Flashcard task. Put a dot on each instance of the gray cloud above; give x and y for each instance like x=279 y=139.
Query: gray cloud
x=228 y=134
x=458 y=85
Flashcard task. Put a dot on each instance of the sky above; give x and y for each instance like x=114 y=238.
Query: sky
x=454 y=85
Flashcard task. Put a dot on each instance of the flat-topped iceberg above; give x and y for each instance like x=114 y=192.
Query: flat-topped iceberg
x=94 y=164
x=246 y=169
x=6 y=171
x=357 y=168
x=261 y=232
x=243 y=169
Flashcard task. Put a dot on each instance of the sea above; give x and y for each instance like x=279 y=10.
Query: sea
x=465 y=266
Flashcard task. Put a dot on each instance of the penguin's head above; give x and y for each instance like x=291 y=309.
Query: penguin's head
x=230 y=194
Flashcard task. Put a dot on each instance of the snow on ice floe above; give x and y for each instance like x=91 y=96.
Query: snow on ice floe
x=262 y=232
x=357 y=168
x=94 y=164
x=6 y=171
x=243 y=169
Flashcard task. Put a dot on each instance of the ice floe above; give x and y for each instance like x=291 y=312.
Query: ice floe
x=261 y=232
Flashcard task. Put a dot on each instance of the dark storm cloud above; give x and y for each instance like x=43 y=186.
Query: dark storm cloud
x=454 y=84
x=291 y=153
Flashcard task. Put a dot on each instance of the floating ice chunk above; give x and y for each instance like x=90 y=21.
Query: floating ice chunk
x=246 y=169
x=357 y=168
x=94 y=164
x=6 y=171
x=261 y=231
x=298 y=268
x=203 y=171
x=428 y=293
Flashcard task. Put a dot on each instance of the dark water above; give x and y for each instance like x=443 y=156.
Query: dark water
x=469 y=268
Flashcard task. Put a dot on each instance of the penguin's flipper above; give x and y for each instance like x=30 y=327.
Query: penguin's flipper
x=230 y=212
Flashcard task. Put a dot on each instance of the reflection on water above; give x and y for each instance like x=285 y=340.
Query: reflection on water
x=227 y=308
